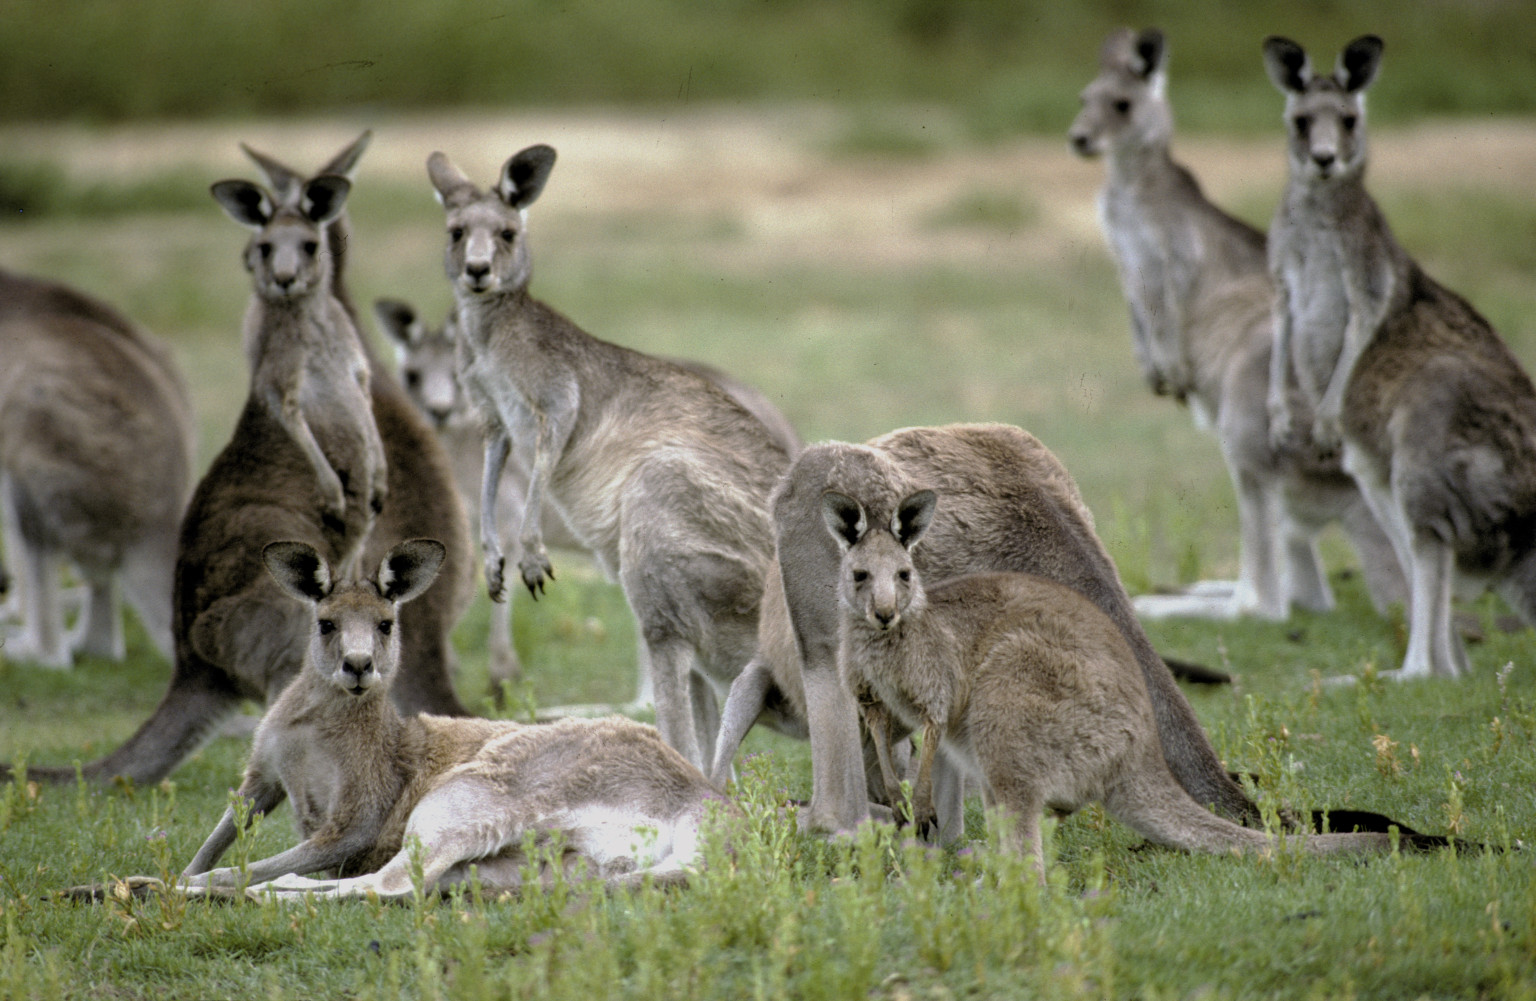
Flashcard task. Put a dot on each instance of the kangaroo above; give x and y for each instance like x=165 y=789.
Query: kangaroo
x=237 y=635
x=96 y=457
x=363 y=779
x=1009 y=506
x=661 y=475
x=1434 y=414
x=1021 y=682
x=423 y=503
x=425 y=358
x=1201 y=301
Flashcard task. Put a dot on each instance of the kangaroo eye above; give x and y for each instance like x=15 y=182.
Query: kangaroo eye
x=327 y=627
x=456 y=234
x=386 y=626
x=507 y=236
x=903 y=575
x=1122 y=107
x=310 y=247
x=1303 y=125
x=1348 y=121
x=860 y=576
x=412 y=378
x=264 y=249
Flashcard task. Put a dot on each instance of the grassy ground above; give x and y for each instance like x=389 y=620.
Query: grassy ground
x=862 y=287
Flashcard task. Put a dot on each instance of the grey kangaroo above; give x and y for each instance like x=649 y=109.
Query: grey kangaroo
x=96 y=464
x=426 y=357
x=1021 y=683
x=662 y=476
x=363 y=779
x=1009 y=506
x=1435 y=417
x=1201 y=300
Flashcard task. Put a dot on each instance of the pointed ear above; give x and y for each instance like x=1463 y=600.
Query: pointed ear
x=1150 y=52
x=1287 y=64
x=344 y=163
x=285 y=181
x=409 y=569
x=246 y=203
x=451 y=184
x=1358 y=63
x=324 y=198
x=299 y=570
x=1118 y=49
x=913 y=516
x=398 y=321
x=844 y=518
x=523 y=176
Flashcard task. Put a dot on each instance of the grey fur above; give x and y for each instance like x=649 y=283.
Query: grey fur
x=363 y=779
x=1008 y=505
x=1198 y=285
x=1021 y=684
x=96 y=463
x=662 y=476
x=1434 y=414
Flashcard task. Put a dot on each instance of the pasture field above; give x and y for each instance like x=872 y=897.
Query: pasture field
x=864 y=278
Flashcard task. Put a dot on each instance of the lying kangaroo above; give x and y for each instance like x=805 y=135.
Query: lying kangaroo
x=1009 y=505
x=237 y=635
x=656 y=470
x=423 y=502
x=96 y=458
x=363 y=779
x=426 y=359
x=1198 y=285
x=1436 y=418
x=1021 y=682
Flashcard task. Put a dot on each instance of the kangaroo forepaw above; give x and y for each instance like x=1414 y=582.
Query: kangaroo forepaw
x=495 y=580
x=536 y=569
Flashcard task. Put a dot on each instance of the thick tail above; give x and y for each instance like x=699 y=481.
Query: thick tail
x=191 y=708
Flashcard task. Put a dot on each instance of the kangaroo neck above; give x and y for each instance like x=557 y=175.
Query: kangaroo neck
x=1133 y=165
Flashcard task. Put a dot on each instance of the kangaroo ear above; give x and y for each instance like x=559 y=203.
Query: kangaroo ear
x=1287 y=64
x=398 y=321
x=523 y=176
x=298 y=569
x=324 y=198
x=1150 y=51
x=285 y=180
x=410 y=568
x=913 y=516
x=1358 y=63
x=246 y=203
x=451 y=184
x=344 y=163
x=844 y=518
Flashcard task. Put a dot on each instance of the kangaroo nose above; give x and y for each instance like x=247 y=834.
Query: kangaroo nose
x=439 y=415
x=1081 y=143
x=1324 y=160
x=884 y=618
x=358 y=666
x=477 y=269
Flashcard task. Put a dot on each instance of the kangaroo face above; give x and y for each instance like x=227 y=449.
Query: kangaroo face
x=286 y=255
x=877 y=582
x=1125 y=105
x=426 y=360
x=1324 y=115
x=487 y=245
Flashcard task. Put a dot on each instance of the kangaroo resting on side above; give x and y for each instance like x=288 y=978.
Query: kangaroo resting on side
x=96 y=461
x=1198 y=285
x=423 y=502
x=1009 y=505
x=1436 y=417
x=1021 y=683
x=662 y=476
x=426 y=358
x=363 y=779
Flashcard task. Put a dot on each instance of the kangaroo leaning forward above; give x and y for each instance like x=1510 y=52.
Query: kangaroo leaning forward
x=1436 y=418
x=1009 y=506
x=364 y=780
x=660 y=474
x=1020 y=682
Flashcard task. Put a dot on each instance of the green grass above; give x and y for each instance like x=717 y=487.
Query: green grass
x=983 y=303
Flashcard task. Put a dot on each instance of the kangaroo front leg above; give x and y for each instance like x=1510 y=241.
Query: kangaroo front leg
x=556 y=419
x=289 y=412
x=498 y=443
x=877 y=720
x=925 y=818
x=261 y=797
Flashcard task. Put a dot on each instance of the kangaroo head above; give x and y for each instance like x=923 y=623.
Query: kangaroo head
x=287 y=187
x=355 y=645
x=426 y=358
x=487 y=231
x=286 y=255
x=1126 y=105
x=1324 y=115
x=877 y=583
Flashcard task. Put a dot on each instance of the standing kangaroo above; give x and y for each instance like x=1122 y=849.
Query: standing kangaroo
x=1201 y=304
x=1436 y=418
x=363 y=779
x=423 y=502
x=1020 y=682
x=662 y=476
x=426 y=357
x=1009 y=506
x=96 y=459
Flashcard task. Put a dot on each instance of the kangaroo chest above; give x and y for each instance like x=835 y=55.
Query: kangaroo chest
x=1314 y=270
